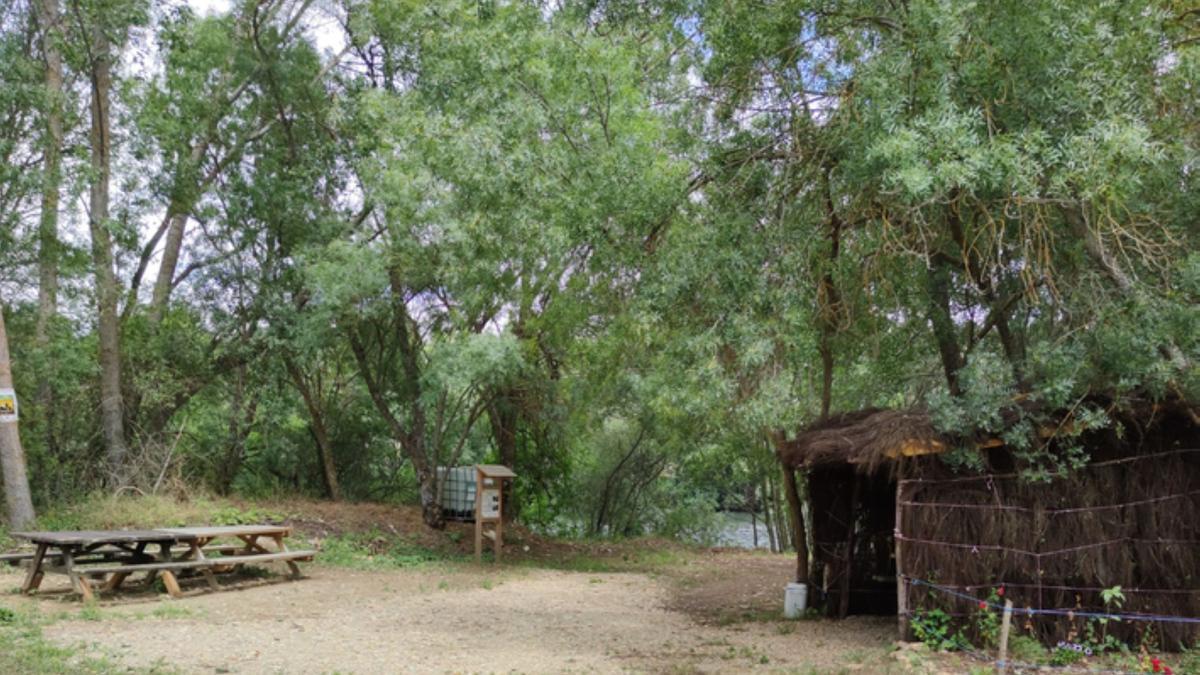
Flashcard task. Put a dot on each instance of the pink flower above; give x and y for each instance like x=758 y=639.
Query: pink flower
x=982 y=604
x=1156 y=664
x=1000 y=591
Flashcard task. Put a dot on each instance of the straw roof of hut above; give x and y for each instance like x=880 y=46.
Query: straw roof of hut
x=873 y=437
x=867 y=438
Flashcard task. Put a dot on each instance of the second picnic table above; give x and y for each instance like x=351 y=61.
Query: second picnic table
x=116 y=554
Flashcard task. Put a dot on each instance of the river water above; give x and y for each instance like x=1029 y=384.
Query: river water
x=736 y=530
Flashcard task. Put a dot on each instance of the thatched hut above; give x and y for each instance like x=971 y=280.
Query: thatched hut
x=896 y=529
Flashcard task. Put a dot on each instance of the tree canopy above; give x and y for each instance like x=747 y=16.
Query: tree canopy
x=327 y=248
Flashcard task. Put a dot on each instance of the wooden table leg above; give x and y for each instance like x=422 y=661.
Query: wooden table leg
x=291 y=564
x=78 y=581
x=198 y=554
x=33 y=578
x=168 y=577
x=172 y=584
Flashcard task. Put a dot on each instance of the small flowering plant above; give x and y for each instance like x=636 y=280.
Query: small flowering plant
x=1156 y=665
x=987 y=617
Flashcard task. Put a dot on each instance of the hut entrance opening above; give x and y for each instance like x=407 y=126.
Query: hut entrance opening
x=854 y=570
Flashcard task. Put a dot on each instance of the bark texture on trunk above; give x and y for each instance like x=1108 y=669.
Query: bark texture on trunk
x=319 y=430
x=12 y=455
x=938 y=285
x=177 y=214
x=166 y=269
x=48 y=245
x=798 y=532
x=107 y=294
x=504 y=417
x=407 y=393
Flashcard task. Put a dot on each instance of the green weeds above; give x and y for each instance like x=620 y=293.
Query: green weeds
x=24 y=649
x=372 y=551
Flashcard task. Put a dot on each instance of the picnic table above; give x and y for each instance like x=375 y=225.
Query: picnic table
x=114 y=555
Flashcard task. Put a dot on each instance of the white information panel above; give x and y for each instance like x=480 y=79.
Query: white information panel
x=8 y=405
x=490 y=506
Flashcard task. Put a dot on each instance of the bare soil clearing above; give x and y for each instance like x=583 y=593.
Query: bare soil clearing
x=652 y=607
x=456 y=619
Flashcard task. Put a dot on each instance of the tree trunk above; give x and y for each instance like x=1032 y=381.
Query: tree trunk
x=177 y=214
x=938 y=284
x=109 y=329
x=48 y=245
x=166 y=269
x=503 y=414
x=799 y=535
x=319 y=430
x=411 y=440
x=829 y=302
x=12 y=455
x=768 y=521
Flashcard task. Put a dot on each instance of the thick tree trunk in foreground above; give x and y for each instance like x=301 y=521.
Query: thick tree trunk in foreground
x=48 y=245
x=12 y=455
x=109 y=329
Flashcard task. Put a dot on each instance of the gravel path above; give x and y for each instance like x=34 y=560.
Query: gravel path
x=432 y=620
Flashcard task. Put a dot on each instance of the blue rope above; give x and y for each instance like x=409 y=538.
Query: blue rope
x=1029 y=611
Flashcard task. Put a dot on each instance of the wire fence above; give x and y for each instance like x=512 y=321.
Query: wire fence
x=985 y=603
x=1058 y=547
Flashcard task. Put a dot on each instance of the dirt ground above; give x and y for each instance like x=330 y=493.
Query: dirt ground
x=717 y=614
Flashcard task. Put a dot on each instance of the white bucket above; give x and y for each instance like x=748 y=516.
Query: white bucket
x=795 y=600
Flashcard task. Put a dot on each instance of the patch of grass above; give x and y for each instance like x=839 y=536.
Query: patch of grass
x=172 y=611
x=372 y=551
x=106 y=512
x=232 y=515
x=24 y=649
x=90 y=611
x=1026 y=649
x=627 y=558
x=856 y=656
x=487 y=584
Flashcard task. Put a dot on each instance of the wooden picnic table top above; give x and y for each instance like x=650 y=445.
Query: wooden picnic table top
x=227 y=531
x=94 y=537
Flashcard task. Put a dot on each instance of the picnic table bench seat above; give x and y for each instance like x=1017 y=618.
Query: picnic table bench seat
x=215 y=561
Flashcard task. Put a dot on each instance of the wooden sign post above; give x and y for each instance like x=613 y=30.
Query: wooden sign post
x=489 y=506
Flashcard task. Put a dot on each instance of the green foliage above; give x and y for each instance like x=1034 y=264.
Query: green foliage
x=614 y=244
x=1065 y=656
x=936 y=629
x=1023 y=648
x=373 y=551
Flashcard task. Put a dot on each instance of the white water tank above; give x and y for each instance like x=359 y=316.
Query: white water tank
x=458 y=491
